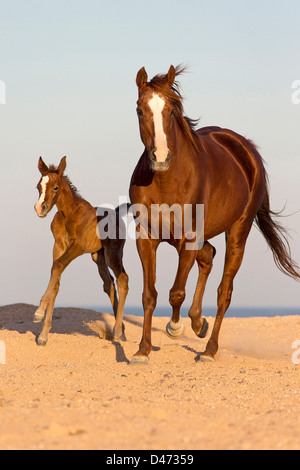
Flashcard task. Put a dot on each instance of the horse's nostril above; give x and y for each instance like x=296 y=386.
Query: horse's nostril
x=169 y=157
x=44 y=207
x=153 y=156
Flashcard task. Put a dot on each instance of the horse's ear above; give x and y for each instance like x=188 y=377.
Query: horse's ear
x=62 y=166
x=171 y=76
x=141 y=78
x=42 y=166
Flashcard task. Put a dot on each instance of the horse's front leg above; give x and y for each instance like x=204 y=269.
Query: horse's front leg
x=43 y=337
x=147 y=252
x=175 y=327
x=205 y=263
x=41 y=310
x=58 y=267
x=39 y=315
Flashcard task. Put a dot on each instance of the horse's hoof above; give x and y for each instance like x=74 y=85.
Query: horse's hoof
x=120 y=334
x=204 y=329
x=41 y=342
x=38 y=318
x=139 y=360
x=206 y=358
x=175 y=330
x=120 y=337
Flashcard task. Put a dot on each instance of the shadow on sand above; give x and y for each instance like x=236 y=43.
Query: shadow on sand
x=70 y=320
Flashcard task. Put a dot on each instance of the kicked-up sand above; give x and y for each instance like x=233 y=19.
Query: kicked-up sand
x=80 y=392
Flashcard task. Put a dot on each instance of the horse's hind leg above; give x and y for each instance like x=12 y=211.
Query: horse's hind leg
x=114 y=258
x=122 y=282
x=108 y=282
x=236 y=239
x=205 y=262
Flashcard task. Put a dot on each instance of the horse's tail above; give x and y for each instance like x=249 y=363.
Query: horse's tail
x=276 y=237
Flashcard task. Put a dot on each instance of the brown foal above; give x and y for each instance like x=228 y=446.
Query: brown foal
x=212 y=167
x=75 y=232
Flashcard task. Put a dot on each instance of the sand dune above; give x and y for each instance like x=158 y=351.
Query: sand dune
x=79 y=392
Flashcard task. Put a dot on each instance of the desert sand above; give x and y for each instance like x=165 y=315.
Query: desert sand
x=80 y=392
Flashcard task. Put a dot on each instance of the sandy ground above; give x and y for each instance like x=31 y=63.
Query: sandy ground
x=80 y=392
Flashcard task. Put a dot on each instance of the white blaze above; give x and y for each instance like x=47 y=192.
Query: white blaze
x=44 y=182
x=157 y=105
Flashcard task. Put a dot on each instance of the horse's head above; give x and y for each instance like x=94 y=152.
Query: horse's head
x=49 y=186
x=156 y=109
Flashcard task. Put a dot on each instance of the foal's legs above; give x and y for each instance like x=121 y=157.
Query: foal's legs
x=236 y=238
x=113 y=251
x=187 y=259
x=108 y=282
x=59 y=265
x=147 y=251
x=205 y=262
x=58 y=250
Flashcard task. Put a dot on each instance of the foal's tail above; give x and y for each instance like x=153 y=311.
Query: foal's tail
x=276 y=237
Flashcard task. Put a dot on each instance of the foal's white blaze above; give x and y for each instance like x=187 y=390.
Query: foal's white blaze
x=38 y=206
x=157 y=105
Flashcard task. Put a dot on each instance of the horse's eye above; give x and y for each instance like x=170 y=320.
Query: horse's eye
x=56 y=188
x=173 y=112
x=139 y=112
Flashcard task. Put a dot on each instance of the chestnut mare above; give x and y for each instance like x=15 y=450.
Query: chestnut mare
x=211 y=166
x=75 y=231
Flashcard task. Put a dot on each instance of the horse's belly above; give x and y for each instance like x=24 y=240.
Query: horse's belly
x=223 y=210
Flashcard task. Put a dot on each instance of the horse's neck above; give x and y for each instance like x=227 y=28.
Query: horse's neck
x=184 y=153
x=67 y=200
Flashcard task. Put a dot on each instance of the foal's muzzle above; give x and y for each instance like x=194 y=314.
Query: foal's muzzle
x=159 y=166
x=41 y=210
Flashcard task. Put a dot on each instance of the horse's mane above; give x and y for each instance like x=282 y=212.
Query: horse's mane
x=187 y=125
x=53 y=169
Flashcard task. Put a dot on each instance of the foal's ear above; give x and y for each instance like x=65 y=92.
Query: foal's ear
x=171 y=76
x=141 y=78
x=42 y=166
x=62 y=166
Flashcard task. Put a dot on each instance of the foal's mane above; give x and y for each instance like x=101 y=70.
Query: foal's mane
x=53 y=169
x=187 y=125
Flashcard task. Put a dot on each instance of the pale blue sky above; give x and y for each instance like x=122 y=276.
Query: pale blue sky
x=70 y=68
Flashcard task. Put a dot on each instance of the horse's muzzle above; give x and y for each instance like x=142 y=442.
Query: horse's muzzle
x=41 y=210
x=159 y=166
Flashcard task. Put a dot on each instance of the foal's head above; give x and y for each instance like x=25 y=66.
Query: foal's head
x=49 y=186
x=159 y=108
